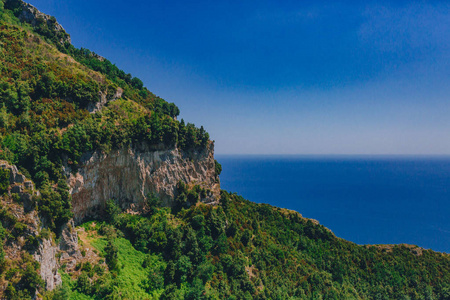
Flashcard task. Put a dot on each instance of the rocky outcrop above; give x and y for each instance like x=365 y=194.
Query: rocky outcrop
x=20 y=185
x=24 y=211
x=33 y=16
x=129 y=175
x=93 y=107
x=46 y=256
x=68 y=245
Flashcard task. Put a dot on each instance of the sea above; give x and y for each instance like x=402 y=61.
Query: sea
x=363 y=199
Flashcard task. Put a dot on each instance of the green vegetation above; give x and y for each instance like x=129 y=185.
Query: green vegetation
x=4 y=181
x=217 y=168
x=55 y=206
x=243 y=250
x=188 y=196
x=47 y=89
x=128 y=279
x=235 y=250
x=19 y=271
x=23 y=281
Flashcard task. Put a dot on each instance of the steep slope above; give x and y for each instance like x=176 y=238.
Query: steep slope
x=82 y=140
x=130 y=175
x=71 y=110
x=243 y=250
x=73 y=123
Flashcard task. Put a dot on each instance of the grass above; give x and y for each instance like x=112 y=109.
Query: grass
x=131 y=274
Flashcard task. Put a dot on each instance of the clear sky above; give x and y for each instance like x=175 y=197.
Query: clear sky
x=284 y=77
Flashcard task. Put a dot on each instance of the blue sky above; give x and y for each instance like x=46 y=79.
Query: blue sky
x=284 y=77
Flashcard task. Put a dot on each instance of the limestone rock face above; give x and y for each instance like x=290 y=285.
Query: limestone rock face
x=20 y=185
x=93 y=107
x=46 y=252
x=33 y=16
x=46 y=256
x=129 y=175
x=68 y=245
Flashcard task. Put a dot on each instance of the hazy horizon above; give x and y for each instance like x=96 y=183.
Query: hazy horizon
x=270 y=77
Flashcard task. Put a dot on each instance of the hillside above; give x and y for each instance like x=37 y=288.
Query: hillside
x=106 y=195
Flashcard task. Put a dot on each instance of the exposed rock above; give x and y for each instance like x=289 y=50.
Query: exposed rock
x=28 y=185
x=33 y=16
x=47 y=252
x=69 y=239
x=46 y=256
x=19 y=178
x=20 y=184
x=126 y=175
x=69 y=245
x=388 y=248
x=27 y=201
x=129 y=175
x=94 y=107
x=17 y=189
x=99 y=57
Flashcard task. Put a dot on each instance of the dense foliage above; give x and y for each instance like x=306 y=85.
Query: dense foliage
x=19 y=271
x=49 y=91
x=243 y=250
x=55 y=205
x=4 y=181
x=46 y=96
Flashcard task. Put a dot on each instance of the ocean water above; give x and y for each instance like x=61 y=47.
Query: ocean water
x=366 y=200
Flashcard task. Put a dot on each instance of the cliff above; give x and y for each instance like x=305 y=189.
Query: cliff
x=69 y=116
x=129 y=175
x=125 y=175
x=20 y=216
x=31 y=15
x=85 y=132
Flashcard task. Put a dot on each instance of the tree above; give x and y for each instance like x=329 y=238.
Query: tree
x=191 y=247
x=84 y=284
x=183 y=269
x=217 y=168
x=153 y=202
x=246 y=237
x=111 y=211
x=169 y=273
x=137 y=83
x=4 y=181
x=2 y=7
x=55 y=206
x=170 y=293
x=111 y=256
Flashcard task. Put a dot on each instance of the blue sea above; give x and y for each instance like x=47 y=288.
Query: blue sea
x=366 y=200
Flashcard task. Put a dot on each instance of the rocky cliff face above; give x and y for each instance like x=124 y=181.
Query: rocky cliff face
x=129 y=175
x=33 y=16
x=24 y=212
x=125 y=175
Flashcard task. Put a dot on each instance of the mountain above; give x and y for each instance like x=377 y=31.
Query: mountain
x=106 y=195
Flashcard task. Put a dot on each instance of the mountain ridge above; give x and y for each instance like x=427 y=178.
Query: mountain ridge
x=97 y=147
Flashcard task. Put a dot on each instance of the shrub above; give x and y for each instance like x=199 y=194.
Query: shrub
x=4 y=181
x=83 y=284
x=111 y=255
x=19 y=229
x=55 y=205
x=217 y=168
